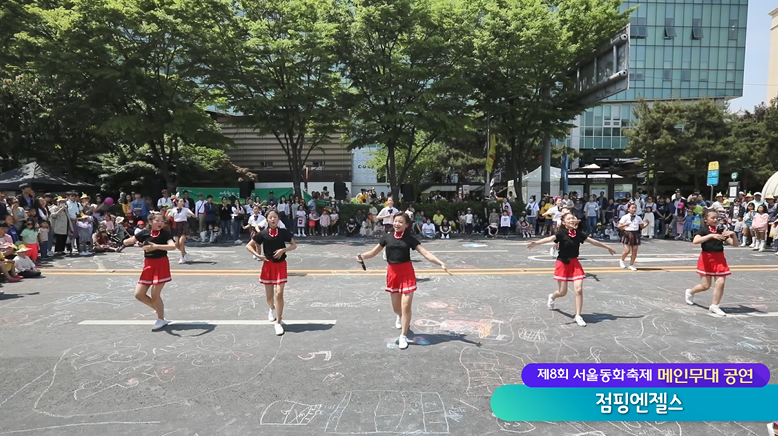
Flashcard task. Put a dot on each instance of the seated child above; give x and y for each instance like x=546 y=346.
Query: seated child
x=611 y=234
x=428 y=229
x=8 y=270
x=445 y=230
x=25 y=267
x=524 y=228
x=491 y=230
x=351 y=227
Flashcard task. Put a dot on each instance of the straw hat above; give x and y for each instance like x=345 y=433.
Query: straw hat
x=83 y=195
x=119 y=220
x=719 y=195
x=22 y=249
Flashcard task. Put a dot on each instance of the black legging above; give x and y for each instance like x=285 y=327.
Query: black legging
x=59 y=243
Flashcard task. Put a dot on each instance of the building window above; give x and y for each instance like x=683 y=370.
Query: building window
x=266 y=164
x=730 y=76
x=317 y=165
x=686 y=76
x=637 y=75
x=638 y=27
x=670 y=28
x=667 y=75
x=732 y=29
x=697 y=28
x=703 y=75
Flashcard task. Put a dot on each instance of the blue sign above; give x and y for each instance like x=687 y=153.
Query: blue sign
x=713 y=177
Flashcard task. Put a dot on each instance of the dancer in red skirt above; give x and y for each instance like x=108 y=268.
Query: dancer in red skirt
x=568 y=268
x=156 y=242
x=400 y=276
x=712 y=263
x=272 y=241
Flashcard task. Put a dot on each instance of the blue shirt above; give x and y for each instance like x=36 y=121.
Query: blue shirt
x=139 y=204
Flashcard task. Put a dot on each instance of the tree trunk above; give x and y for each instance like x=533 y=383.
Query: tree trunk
x=518 y=158
x=390 y=149
x=656 y=183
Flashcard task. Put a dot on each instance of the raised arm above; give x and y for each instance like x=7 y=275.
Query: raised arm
x=533 y=244
x=372 y=253
x=597 y=243
x=430 y=257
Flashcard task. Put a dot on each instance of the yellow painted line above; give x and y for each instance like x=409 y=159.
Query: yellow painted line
x=331 y=271
x=382 y=273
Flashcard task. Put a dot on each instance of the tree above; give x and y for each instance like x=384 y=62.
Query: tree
x=753 y=142
x=198 y=165
x=403 y=65
x=523 y=52
x=275 y=63
x=657 y=137
x=131 y=60
x=436 y=157
x=680 y=138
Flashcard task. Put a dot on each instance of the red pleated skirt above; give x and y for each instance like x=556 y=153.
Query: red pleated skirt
x=569 y=272
x=273 y=273
x=155 y=271
x=400 y=278
x=712 y=265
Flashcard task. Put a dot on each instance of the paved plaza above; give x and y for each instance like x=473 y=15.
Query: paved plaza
x=77 y=355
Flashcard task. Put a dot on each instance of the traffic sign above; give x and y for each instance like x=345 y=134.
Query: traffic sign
x=734 y=176
x=713 y=173
x=713 y=177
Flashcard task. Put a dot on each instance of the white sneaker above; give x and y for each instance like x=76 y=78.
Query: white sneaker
x=714 y=308
x=632 y=268
x=159 y=325
x=403 y=342
x=271 y=315
x=622 y=264
x=398 y=323
x=279 y=329
x=187 y=259
x=743 y=244
x=689 y=297
x=83 y=253
x=254 y=257
x=238 y=241
x=579 y=320
x=182 y=260
x=550 y=302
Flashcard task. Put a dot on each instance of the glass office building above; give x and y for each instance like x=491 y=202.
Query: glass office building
x=685 y=49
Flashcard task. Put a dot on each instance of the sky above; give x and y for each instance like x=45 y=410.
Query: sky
x=757 y=43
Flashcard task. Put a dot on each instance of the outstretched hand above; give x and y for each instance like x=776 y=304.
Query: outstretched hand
x=443 y=266
x=532 y=244
x=610 y=250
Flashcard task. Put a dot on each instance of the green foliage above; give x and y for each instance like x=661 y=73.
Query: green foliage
x=275 y=64
x=523 y=51
x=754 y=142
x=136 y=167
x=401 y=59
x=435 y=157
x=676 y=139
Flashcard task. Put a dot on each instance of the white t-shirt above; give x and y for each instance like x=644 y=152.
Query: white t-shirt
x=261 y=221
x=505 y=221
x=165 y=201
x=180 y=217
x=23 y=264
x=391 y=211
x=469 y=218
x=428 y=228
x=200 y=207
x=634 y=223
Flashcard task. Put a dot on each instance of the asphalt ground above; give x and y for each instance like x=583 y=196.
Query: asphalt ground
x=77 y=355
